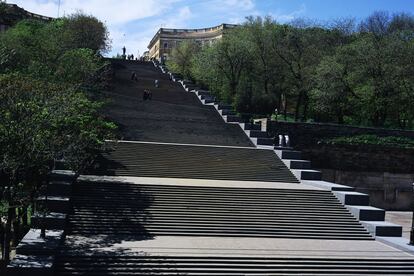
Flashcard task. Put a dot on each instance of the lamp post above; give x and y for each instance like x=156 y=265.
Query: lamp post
x=58 y=9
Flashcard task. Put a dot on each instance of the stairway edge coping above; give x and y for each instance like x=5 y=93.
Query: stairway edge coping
x=180 y=144
x=190 y=182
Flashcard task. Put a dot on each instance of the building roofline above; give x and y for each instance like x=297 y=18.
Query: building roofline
x=176 y=31
x=30 y=14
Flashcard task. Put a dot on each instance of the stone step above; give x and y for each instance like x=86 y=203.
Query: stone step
x=57 y=204
x=264 y=141
x=122 y=208
x=383 y=228
x=307 y=174
x=250 y=126
x=227 y=112
x=258 y=134
x=52 y=221
x=207 y=97
x=282 y=148
x=352 y=198
x=232 y=119
x=59 y=188
x=289 y=154
x=65 y=175
x=297 y=164
x=203 y=92
x=367 y=213
x=112 y=264
x=208 y=101
x=330 y=186
x=34 y=265
x=33 y=244
x=221 y=106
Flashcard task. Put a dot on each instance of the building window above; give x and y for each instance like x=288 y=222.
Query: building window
x=165 y=45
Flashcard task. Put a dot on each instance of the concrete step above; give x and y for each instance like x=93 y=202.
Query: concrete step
x=307 y=174
x=352 y=198
x=227 y=112
x=179 y=161
x=264 y=141
x=367 y=213
x=34 y=265
x=221 y=106
x=59 y=188
x=282 y=148
x=65 y=175
x=298 y=164
x=232 y=119
x=57 y=204
x=128 y=264
x=250 y=126
x=207 y=97
x=109 y=208
x=289 y=154
x=52 y=221
x=258 y=134
x=326 y=185
x=208 y=101
x=33 y=244
x=383 y=228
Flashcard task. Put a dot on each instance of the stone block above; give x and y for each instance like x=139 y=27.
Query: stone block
x=59 y=188
x=22 y=265
x=56 y=204
x=33 y=244
x=330 y=186
x=265 y=141
x=289 y=154
x=367 y=213
x=51 y=220
x=352 y=198
x=307 y=174
x=383 y=228
x=298 y=164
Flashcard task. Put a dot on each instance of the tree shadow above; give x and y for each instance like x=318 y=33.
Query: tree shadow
x=104 y=164
x=105 y=215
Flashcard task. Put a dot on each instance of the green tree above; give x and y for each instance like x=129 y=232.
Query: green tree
x=45 y=111
x=85 y=31
x=181 y=58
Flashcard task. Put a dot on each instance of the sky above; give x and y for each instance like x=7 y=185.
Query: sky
x=132 y=23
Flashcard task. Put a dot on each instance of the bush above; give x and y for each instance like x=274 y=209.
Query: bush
x=370 y=139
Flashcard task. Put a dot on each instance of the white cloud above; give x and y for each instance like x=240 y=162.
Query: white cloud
x=179 y=20
x=111 y=11
x=241 y=4
x=280 y=17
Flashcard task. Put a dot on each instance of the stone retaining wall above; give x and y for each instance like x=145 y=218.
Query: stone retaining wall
x=307 y=136
x=386 y=174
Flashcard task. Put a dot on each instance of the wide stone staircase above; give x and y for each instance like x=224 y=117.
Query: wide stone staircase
x=100 y=264
x=172 y=115
x=201 y=192
x=192 y=161
x=131 y=209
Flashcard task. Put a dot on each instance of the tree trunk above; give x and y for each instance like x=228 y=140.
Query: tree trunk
x=305 y=107
x=7 y=236
x=298 y=105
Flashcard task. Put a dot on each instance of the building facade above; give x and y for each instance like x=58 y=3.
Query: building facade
x=165 y=40
x=10 y=14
